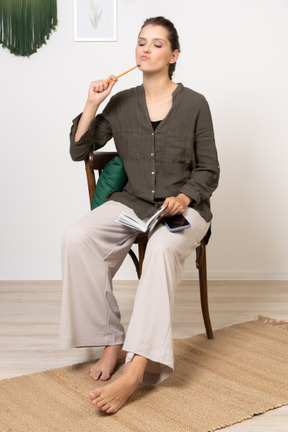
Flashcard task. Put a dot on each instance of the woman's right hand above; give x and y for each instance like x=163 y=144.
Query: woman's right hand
x=99 y=90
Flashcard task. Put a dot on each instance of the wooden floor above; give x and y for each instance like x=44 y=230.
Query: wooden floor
x=29 y=321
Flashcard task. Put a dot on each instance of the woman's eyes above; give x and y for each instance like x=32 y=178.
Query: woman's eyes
x=157 y=46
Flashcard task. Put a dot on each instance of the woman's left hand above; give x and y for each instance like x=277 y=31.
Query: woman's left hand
x=175 y=205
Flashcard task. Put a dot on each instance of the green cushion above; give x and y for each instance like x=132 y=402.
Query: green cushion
x=113 y=178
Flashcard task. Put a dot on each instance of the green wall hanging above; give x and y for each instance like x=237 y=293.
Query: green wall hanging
x=25 y=25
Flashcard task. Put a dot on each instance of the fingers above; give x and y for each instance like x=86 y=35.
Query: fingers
x=173 y=206
x=101 y=85
x=99 y=90
x=112 y=78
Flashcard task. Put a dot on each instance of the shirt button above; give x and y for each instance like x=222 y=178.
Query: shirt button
x=152 y=133
x=153 y=191
x=152 y=172
x=152 y=154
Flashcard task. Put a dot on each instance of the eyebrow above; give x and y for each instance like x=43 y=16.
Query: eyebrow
x=154 y=39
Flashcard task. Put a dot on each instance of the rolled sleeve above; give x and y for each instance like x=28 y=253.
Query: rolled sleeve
x=205 y=175
x=97 y=135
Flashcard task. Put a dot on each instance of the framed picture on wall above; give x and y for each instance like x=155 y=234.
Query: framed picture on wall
x=95 y=20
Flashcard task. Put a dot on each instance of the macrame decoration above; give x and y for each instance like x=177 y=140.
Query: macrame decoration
x=25 y=25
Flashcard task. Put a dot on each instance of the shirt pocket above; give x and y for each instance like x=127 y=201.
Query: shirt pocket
x=128 y=144
x=178 y=148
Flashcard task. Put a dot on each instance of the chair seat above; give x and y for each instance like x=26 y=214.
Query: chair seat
x=141 y=238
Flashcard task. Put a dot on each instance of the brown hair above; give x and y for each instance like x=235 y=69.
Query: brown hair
x=172 y=36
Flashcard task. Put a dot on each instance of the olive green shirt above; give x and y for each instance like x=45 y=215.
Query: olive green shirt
x=178 y=157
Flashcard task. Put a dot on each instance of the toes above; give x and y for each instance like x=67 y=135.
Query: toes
x=94 y=369
x=93 y=396
x=111 y=410
x=96 y=402
x=101 y=404
x=105 y=407
x=105 y=376
x=95 y=375
x=99 y=375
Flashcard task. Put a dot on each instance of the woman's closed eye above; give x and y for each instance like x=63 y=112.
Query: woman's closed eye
x=143 y=44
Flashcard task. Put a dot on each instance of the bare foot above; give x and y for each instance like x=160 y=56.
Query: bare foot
x=111 y=397
x=105 y=366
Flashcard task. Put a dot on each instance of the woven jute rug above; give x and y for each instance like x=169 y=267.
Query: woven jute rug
x=216 y=383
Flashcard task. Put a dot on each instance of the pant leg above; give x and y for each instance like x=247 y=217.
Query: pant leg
x=150 y=329
x=92 y=251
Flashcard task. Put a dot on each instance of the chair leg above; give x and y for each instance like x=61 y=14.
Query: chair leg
x=141 y=253
x=136 y=263
x=202 y=269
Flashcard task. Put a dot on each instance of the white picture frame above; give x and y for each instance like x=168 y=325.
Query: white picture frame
x=95 y=20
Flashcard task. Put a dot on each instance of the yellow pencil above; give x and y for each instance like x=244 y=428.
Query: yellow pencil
x=134 y=67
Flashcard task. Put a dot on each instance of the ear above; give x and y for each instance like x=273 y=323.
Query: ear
x=174 y=56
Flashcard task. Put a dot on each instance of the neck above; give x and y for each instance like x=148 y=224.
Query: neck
x=157 y=86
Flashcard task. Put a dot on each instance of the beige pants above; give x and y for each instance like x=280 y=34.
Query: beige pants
x=93 y=250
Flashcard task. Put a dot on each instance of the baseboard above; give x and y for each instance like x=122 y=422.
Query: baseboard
x=217 y=275
x=238 y=275
x=30 y=275
x=130 y=274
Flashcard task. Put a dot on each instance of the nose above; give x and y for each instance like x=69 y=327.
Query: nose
x=147 y=49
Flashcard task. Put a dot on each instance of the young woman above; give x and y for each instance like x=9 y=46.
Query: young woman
x=164 y=135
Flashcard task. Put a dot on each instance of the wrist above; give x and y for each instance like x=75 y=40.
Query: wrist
x=91 y=107
x=185 y=199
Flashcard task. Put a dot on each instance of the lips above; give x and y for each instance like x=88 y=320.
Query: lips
x=144 y=58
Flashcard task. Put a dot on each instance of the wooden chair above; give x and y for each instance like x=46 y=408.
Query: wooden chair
x=97 y=161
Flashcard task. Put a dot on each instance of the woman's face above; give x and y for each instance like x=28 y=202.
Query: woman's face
x=153 y=51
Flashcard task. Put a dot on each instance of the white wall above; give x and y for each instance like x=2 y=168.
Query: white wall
x=233 y=51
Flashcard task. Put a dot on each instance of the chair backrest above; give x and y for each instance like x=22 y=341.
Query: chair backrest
x=98 y=160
